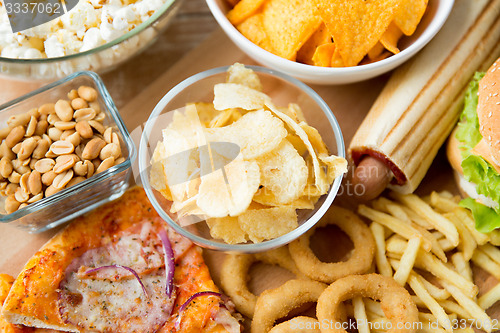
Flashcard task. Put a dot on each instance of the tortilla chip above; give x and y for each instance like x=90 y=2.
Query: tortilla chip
x=319 y=37
x=356 y=25
x=409 y=14
x=391 y=37
x=337 y=59
x=289 y=24
x=376 y=51
x=323 y=55
x=253 y=29
x=243 y=10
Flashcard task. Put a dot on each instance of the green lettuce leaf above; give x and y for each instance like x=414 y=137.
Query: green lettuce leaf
x=486 y=218
x=476 y=169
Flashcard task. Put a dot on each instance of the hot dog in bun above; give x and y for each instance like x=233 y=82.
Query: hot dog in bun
x=474 y=149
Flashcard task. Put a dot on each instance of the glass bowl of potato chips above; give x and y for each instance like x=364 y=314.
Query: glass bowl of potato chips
x=331 y=42
x=241 y=158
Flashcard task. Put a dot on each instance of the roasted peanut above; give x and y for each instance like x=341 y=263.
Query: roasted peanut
x=64 y=110
x=96 y=106
x=66 y=133
x=14 y=177
x=83 y=128
x=45 y=165
x=21 y=196
x=20 y=166
x=53 y=118
x=87 y=93
x=51 y=190
x=4 y=132
x=11 y=188
x=41 y=127
x=48 y=178
x=62 y=147
x=74 y=138
x=120 y=160
x=27 y=148
x=97 y=126
x=24 y=182
x=79 y=103
x=46 y=137
x=6 y=151
x=73 y=94
x=64 y=125
x=30 y=129
x=84 y=114
x=17 y=148
x=90 y=168
x=21 y=206
x=11 y=204
x=75 y=181
x=106 y=164
x=19 y=120
x=110 y=150
x=108 y=135
x=65 y=162
x=47 y=109
x=6 y=167
x=62 y=179
x=15 y=136
x=25 y=162
x=96 y=162
x=80 y=168
x=93 y=148
x=32 y=163
x=50 y=154
x=35 y=182
x=34 y=113
x=35 y=198
x=54 y=133
x=100 y=117
x=41 y=149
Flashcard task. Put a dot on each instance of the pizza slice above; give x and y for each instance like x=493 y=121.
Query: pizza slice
x=119 y=269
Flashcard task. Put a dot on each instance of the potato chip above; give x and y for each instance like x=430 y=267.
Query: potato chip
x=319 y=37
x=253 y=29
x=221 y=119
x=289 y=24
x=234 y=95
x=391 y=37
x=323 y=55
x=238 y=73
x=229 y=190
x=269 y=223
x=376 y=51
x=256 y=133
x=267 y=198
x=243 y=10
x=409 y=14
x=297 y=113
x=283 y=172
x=336 y=166
x=319 y=177
x=315 y=139
x=157 y=174
x=356 y=25
x=297 y=143
x=206 y=112
x=228 y=229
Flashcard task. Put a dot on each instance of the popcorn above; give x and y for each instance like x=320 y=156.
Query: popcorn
x=90 y=24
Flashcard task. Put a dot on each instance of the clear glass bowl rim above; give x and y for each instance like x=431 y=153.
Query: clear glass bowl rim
x=168 y=5
x=253 y=247
x=67 y=193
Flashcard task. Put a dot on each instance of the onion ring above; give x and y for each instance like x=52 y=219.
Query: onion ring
x=298 y=324
x=276 y=303
x=395 y=301
x=361 y=258
x=234 y=275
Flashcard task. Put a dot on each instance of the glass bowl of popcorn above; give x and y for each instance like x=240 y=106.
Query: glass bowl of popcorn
x=95 y=35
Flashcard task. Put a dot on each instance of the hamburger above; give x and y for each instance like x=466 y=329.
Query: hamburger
x=474 y=149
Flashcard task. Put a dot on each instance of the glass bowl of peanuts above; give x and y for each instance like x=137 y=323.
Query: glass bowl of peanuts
x=64 y=150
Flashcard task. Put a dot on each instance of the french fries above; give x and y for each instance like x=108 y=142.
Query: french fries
x=416 y=237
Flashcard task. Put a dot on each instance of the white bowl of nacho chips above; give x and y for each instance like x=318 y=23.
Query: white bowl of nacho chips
x=296 y=37
x=241 y=158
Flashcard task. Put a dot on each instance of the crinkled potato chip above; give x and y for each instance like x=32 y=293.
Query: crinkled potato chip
x=323 y=55
x=234 y=95
x=283 y=172
x=269 y=223
x=229 y=191
x=409 y=14
x=289 y=24
x=319 y=176
x=319 y=37
x=256 y=133
x=228 y=229
x=356 y=25
x=253 y=29
x=391 y=37
x=238 y=73
x=243 y=10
